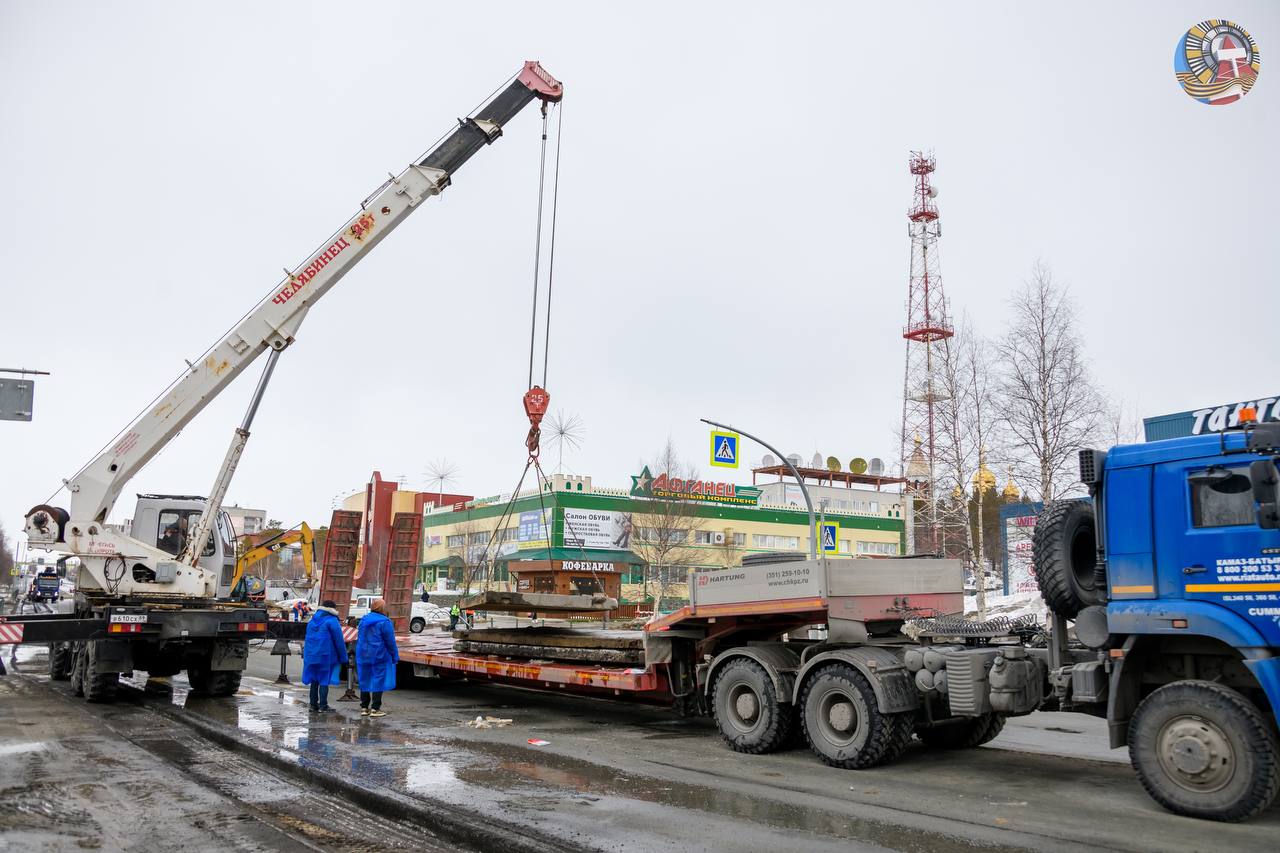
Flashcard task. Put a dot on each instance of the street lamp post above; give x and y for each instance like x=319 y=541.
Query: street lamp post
x=813 y=529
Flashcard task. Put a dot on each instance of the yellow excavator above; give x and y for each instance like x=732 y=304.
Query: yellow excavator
x=246 y=587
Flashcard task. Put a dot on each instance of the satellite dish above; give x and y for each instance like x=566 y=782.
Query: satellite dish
x=817 y=461
x=857 y=465
x=876 y=467
x=833 y=464
x=933 y=192
x=768 y=461
x=794 y=459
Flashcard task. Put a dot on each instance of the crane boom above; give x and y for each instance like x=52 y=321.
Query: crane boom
x=272 y=325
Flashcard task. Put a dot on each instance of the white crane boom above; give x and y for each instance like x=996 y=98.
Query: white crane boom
x=272 y=325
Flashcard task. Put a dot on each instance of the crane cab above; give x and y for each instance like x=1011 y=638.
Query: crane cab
x=165 y=521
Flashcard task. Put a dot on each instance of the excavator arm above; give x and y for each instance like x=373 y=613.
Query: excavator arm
x=302 y=534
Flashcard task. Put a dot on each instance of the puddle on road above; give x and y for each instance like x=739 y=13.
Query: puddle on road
x=19 y=748
x=426 y=777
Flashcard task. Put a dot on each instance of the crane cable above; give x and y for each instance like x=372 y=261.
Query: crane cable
x=536 y=397
x=532 y=441
x=551 y=263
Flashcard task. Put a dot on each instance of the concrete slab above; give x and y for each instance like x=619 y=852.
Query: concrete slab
x=537 y=602
x=569 y=638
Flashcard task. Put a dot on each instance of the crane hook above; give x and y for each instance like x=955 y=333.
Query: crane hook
x=536 y=400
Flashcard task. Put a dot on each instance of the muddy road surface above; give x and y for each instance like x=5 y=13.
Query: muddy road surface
x=258 y=771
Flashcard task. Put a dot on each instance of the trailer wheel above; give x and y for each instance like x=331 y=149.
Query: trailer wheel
x=214 y=683
x=748 y=710
x=1064 y=552
x=964 y=735
x=417 y=624
x=1203 y=750
x=843 y=724
x=103 y=686
x=59 y=661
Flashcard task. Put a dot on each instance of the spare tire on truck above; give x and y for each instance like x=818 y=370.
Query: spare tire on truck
x=1064 y=557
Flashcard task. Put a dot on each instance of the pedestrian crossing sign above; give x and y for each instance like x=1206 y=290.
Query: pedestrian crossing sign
x=829 y=536
x=724 y=449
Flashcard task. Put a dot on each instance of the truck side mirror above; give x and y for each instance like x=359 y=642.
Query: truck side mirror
x=1266 y=491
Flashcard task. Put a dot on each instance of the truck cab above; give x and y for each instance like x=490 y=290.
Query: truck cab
x=1171 y=574
x=166 y=521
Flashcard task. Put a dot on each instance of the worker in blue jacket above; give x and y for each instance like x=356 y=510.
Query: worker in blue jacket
x=376 y=658
x=323 y=654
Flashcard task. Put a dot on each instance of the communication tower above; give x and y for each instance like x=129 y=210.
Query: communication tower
x=927 y=331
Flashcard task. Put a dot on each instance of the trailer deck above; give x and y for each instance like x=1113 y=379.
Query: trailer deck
x=433 y=655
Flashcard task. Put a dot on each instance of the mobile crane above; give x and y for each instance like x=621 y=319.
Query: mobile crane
x=148 y=599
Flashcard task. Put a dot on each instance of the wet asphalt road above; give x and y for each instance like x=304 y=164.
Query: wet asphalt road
x=619 y=777
x=75 y=776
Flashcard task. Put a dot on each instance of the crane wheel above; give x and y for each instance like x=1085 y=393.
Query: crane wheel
x=59 y=661
x=103 y=686
x=1203 y=750
x=844 y=725
x=1064 y=557
x=417 y=624
x=748 y=711
x=216 y=683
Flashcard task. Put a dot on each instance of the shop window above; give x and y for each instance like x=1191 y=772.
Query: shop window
x=586 y=586
x=776 y=543
x=654 y=534
x=886 y=549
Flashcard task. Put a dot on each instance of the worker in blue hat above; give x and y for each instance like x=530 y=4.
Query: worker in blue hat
x=376 y=658
x=323 y=654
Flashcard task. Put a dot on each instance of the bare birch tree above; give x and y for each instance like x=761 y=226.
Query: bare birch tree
x=664 y=528
x=956 y=449
x=965 y=433
x=1123 y=425
x=1047 y=402
x=976 y=370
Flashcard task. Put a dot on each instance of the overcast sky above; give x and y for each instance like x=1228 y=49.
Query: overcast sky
x=732 y=231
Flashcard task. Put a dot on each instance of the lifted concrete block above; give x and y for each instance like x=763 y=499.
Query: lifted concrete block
x=537 y=602
x=553 y=637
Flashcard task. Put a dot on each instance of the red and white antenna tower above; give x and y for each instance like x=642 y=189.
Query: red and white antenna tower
x=927 y=331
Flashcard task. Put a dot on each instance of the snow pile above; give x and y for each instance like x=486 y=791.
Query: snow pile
x=1012 y=605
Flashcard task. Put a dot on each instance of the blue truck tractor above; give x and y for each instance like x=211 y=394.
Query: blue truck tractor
x=1170 y=571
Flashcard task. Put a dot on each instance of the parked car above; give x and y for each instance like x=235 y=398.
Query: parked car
x=424 y=614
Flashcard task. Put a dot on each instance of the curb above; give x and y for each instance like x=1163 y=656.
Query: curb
x=449 y=821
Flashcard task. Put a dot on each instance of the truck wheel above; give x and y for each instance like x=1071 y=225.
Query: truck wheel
x=214 y=683
x=748 y=710
x=964 y=735
x=59 y=661
x=417 y=624
x=77 y=667
x=844 y=726
x=1203 y=750
x=103 y=686
x=1064 y=557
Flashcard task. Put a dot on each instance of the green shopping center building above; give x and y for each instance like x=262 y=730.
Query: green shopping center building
x=570 y=536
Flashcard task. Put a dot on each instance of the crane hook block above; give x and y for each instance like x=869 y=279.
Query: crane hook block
x=535 y=405
x=540 y=82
